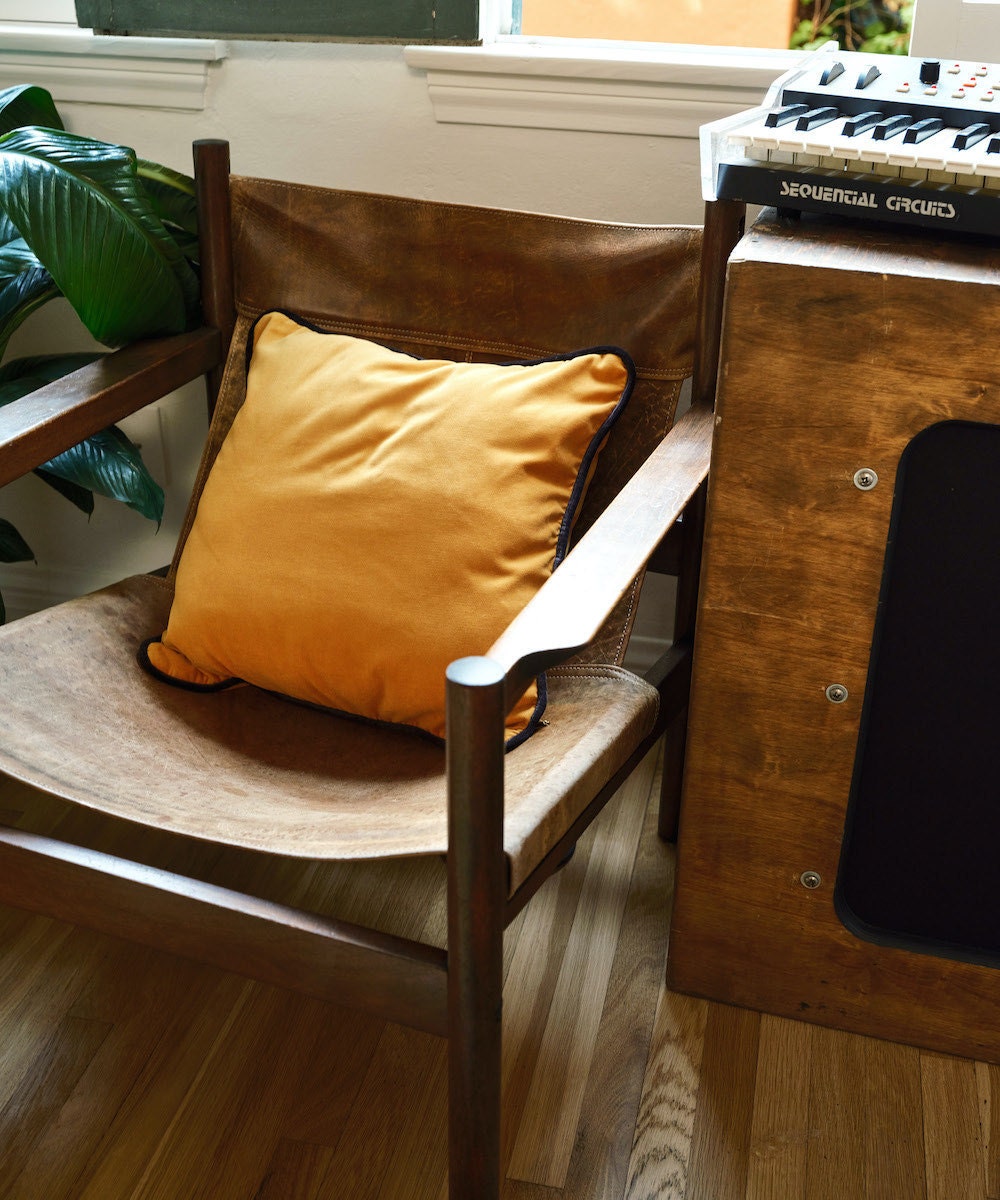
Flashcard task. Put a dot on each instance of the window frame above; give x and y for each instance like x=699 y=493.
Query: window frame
x=40 y=41
x=435 y=21
x=643 y=88
x=554 y=83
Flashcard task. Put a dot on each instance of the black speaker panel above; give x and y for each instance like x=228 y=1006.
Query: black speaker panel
x=920 y=862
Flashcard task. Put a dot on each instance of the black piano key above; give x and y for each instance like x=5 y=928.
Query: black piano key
x=891 y=126
x=858 y=124
x=971 y=134
x=921 y=130
x=994 y=146
x=816 y=117
x=781 y=116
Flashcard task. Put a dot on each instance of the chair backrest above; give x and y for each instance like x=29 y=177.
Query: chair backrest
x=468 y=283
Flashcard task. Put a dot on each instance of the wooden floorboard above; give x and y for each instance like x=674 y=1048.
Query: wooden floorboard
x=131 y=1075
x=661 y=1150
x=779 y=1130
x=548 y=1127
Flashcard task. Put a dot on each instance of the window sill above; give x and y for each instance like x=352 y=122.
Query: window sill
x=75 y=65
x=640 y=88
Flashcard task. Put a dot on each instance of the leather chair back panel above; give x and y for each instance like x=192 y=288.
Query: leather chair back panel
x=469 y=283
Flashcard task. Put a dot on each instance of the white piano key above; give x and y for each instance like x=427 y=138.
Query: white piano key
x=989 y=169
x=863 y=148
x=818 y=144
x=934 y=160
x=975 y=161
x=834 y=163
x=847 y=147
x=901 y=155
x=753 y=133
x=934 y=152
x=758 y=154
x=877 y=152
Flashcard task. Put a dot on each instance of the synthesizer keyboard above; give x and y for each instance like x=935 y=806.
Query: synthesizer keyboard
x=881 y=137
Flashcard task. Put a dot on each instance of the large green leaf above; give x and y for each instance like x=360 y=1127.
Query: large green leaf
x=81 y=208
x=20 y=376
x=171 y=194
x=13 y=547
x=26 y=104
x=23 y=375
x=108 y=463
x=8 y=230
x=25 y=286
x=81 y=497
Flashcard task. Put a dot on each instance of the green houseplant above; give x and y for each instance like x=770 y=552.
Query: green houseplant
x=117 y=237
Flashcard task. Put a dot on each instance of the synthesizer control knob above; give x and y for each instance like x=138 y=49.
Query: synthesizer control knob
x=930 y=70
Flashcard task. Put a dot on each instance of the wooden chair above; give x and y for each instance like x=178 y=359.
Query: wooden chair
x=150 y=766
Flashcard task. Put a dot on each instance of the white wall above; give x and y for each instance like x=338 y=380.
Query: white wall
x=358 y=117
x=344 y=116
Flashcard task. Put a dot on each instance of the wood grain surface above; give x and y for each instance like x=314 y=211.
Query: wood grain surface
x=840 y=344
x=126 y=1073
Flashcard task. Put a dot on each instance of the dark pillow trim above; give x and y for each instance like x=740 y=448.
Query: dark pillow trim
x=562 y=538
x=187 y=685
x=225 y=685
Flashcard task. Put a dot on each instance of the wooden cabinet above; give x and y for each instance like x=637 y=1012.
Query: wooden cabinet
x=841 y=343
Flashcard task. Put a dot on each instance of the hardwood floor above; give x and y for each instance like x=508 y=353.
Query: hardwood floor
x=129 y=1074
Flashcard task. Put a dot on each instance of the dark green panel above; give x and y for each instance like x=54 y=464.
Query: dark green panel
x=380 y=20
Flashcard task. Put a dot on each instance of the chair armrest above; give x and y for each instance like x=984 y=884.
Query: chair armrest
x=569 y=610
x=50 y=420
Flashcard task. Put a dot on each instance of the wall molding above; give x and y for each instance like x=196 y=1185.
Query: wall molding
x=77 y=66
x=637 y=88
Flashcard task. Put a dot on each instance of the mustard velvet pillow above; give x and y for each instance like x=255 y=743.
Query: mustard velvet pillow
x=372 y=516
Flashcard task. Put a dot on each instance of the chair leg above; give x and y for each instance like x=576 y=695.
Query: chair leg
x=692 y=533
x=476 y=897
x=474 y=1103
x=673 y=773
x=724 y=221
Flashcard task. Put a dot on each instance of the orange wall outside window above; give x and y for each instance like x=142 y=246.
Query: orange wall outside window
x=766 y=23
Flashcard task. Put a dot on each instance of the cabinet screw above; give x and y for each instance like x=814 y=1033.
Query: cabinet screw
x=865 y=479
x=810 y=879
x=836 y=693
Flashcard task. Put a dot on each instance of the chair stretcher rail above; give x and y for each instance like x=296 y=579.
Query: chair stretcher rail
x=400 y=980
